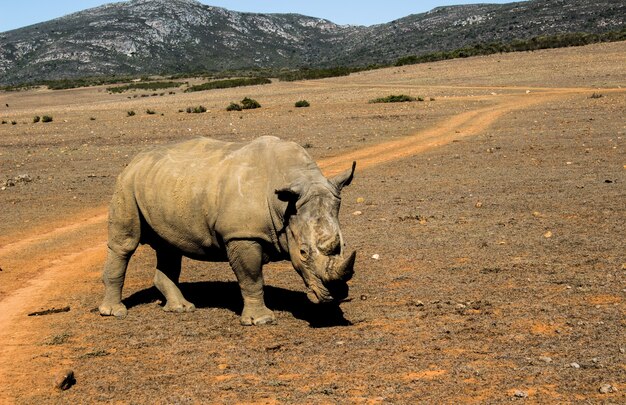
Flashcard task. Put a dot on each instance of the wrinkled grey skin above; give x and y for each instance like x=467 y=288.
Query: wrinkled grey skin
x=245 y=203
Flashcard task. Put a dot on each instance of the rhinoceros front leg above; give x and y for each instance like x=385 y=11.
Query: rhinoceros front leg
x=246 y=259
x=166 y=281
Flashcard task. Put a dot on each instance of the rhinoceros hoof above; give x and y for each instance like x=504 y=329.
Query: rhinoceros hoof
x=264 y=317
x=179 y=307
x=117 y=310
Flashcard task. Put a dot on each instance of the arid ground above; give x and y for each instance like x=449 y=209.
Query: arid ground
x=495 y=208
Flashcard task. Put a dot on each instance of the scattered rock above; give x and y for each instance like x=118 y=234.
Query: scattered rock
x=363 y=297
x=478 y=204
x=376 y=256
x=65 y=380
x=274 y=348
x=360 y=200
x=520 y=394
x=547 y=235
x=357 y=213
x=607 y=389
x=418 y=303
x=546 y=359
x=574 y=365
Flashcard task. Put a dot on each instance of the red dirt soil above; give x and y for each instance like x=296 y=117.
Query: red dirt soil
x=497 y=209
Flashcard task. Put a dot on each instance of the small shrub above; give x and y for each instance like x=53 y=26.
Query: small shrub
x=36 y=119
x=130 y=113
x=420 y=98
x=228 y=83
x=3 y=122
x=401 y=98
x=307 y=145
x=92 y=118
x=13 y=122
x=196 y=110
x=249 y=104
x=596 y=95
x=150 y=112
x=233 y=107
x=302 y=103
x=46 y=118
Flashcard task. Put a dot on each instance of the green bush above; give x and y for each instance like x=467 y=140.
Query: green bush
x=130 y=113
x=249 y=104
x=401 y=98
x=233 y=107
x=228 y=83
x=144 y=86
x=196 y=110
x=36 y=119
x=46 y=118
x=302 y=103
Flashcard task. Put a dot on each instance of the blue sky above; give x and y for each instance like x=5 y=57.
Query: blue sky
x=16 y=14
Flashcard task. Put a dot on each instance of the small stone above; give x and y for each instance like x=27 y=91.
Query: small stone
x=360 y=200
x=547 y=235
x=607 y=389
x=363 y=297
x=418 y=304
x=546 y=359
x=520 y=394
x=357 y=213
x=376 y=256
x=65 y=380
x=574 y=365
x=478 y=204
x=460 y=306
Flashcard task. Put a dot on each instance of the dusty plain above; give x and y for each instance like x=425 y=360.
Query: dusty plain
x=497 y=209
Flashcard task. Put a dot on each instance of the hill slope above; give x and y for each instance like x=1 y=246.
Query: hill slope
x=156 y=36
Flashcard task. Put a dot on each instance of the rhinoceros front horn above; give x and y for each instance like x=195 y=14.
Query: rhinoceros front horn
x=343 y=271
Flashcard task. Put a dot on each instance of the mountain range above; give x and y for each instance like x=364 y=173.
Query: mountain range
x=172 y=36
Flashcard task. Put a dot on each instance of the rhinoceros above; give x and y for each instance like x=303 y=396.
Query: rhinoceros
x=245 y=203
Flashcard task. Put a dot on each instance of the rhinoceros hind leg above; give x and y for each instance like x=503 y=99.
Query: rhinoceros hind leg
x=166 y=280
x=246 y=259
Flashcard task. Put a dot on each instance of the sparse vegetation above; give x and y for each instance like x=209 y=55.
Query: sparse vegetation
x=196 y=110
x=249 y=104
x=533 y=44
x=310 y=74
x=233 y=107
x=596 y=95
x=3 y=122
x=401 y=98
x=144 y=86
x=36 y=119
x=13 y=122
x=58 y=339
x=92 y=118
x=150 y=112
x=302 y=103
x=228 y=83
x=130 y=113
x=46 y=118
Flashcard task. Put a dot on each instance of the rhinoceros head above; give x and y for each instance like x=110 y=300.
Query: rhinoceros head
x=315 y=243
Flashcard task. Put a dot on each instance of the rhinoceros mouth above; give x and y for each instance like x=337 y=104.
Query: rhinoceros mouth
x=319 y=293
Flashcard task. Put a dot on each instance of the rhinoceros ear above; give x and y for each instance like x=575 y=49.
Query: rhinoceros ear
x=343 y=179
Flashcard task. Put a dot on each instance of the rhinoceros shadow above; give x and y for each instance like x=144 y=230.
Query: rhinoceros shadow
x=227 y=295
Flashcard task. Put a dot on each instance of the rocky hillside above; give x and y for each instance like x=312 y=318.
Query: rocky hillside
x=169 y=36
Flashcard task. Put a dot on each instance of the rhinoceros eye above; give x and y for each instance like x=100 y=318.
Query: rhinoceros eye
x=304 y=252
